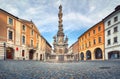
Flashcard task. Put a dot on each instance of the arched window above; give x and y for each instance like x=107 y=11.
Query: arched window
x=98 y=53
x=82 y=56
x=88 y=55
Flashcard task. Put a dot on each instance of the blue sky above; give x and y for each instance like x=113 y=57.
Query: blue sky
x=78 y=15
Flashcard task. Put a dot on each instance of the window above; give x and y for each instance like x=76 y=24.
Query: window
x=94 y=41
x=99 y=39
x=37 y=36
x=108 y=32
x=37 y=45
x=99 y=28
x=109 y=22
x=86 y=45
x=23 y=51
x=109 y=41
x=83 y=46
x=115 y=29
x=23 y=39
x=11 y=21
x=32 y=43
x=115 y=18
x=93 y=31
x=32 y=32
x=115 y=40
x=85 y=36
x=10 y=35
x=89 y=34
x=82 y=38
x=80 y=48
x=89 y=43
x=23 y=27
x=32 y=26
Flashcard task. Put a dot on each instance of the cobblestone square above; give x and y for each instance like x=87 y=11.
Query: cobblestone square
x=11 y=69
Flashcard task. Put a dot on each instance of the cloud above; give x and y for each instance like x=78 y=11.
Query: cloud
x=76 y=21
x=92 y=8
x=78 y=15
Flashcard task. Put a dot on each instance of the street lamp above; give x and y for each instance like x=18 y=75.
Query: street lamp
x=4 y=51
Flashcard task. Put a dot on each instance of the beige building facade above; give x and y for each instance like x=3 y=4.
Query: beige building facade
x=20 y=39
x=74 y=51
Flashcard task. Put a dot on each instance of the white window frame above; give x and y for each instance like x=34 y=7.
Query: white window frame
x=8 y=34
x=22 y=39
x=8 y=21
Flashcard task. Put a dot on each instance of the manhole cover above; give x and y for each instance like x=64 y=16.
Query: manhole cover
x=104 y=67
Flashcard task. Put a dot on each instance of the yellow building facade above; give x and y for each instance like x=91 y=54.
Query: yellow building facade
x=91 y=43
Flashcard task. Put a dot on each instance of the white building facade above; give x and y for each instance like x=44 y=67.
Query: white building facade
x=112 y=35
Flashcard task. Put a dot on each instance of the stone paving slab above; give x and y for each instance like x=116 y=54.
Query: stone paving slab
x=11 y=69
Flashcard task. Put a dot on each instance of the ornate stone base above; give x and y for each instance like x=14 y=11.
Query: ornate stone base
x=60 y=58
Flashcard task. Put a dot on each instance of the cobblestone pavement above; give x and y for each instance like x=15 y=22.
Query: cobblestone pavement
x=11 y=69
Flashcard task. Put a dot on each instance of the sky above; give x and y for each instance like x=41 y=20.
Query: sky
x=78 y=15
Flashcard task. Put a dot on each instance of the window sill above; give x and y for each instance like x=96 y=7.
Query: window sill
x=10 y=40
x=108 y=44
x=115 y=43
x=115 y=32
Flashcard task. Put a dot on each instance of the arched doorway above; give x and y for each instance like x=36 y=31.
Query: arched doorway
x=31 y=53
x=98 y=53
x=82 y=56
x=114 y=55
x=88 y=55
x=40 y=56
x=9 y=53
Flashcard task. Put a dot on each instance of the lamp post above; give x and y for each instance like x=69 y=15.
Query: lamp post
x=4 y=51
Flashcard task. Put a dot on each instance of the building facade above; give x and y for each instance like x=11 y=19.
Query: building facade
x=112 y=34
x=91 y=43
x=74 y=50
x=19 y=39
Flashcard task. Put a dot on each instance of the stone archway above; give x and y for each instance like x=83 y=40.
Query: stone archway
x=114 y=55
x=82 y=56
x=98 y=53
x=9 y=53
x=88 y=55
x=31 y=53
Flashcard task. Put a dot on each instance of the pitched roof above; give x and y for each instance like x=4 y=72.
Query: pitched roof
x=8 y=13
x=116 y=10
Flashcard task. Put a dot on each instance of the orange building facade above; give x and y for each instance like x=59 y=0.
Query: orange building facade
x=91 y=43
x=20 y=39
